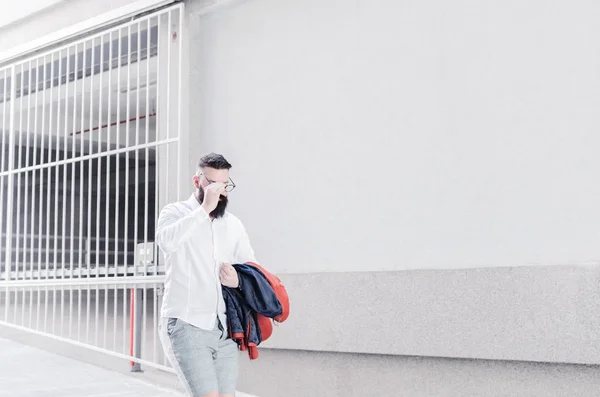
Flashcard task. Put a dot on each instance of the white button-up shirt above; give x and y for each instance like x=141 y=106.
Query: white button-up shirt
x=194 y=248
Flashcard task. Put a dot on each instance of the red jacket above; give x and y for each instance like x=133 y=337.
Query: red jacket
x=265 y=324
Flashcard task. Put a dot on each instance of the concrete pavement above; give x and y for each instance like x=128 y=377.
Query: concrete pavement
x=29 y=372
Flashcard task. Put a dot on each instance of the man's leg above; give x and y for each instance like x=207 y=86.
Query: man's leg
x=226 y=366
x=191 y=352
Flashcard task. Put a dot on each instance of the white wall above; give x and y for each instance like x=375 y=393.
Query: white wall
x=384 y=135
x=52 y=18
x=13 y=14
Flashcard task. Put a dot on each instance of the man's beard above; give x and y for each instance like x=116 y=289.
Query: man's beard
x=219 y=210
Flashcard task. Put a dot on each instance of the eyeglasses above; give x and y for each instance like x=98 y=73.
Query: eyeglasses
x=228 y=186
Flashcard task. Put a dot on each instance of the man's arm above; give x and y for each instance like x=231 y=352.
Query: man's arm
x=172 y=229
x=244 y=252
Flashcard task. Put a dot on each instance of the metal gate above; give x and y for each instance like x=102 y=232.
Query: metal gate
x=90 y=138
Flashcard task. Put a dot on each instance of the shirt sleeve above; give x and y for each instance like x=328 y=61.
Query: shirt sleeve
x=173 y=229
x=244 y=252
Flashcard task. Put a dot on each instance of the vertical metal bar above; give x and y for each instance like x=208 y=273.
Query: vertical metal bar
x=20 y=292
x=49 y=189
x=16 y=291
x=42 y=171
x=36 y=204
x=2 y=160
x=137 y=296
x=137 y=141
x=46 y=308
x=4 y=136
x=127 y=137
x=169 y=34
x=10 y=199
x=169 y=37
x=35 y=211
x=81 y=257
x=108 y=186
x=18 y=166
x=57 y=167
x=157 y=292
x=73 y=176
x=2 y=157
x=168 y=75
x=117 y=190
x=19 y=208
x=105 y=334
x=132 y=323
x=146 y=180
x=179 y=104
x=99 y=183
x=147 y=140
x=28 y=274
x=11 y=204
x=156 y=133
x=137 y=345
x=26 y=207
x=125 y=325
x=126 y=212
x=63 y=196
x=156 y=181
x=39 y=304
x=3 y=153
x=42 y=240
x=49 y=169
x=65 y=150
x=89 y=206
x=56 y=189
x=99 y=171
x=14 y=177
x=61 y=302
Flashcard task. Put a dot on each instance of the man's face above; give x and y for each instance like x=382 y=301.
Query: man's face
x=206 y=177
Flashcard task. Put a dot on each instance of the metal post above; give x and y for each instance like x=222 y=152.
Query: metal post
x=143 y=256
x=137 y=305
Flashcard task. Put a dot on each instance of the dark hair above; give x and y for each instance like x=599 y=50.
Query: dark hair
x=214 y=160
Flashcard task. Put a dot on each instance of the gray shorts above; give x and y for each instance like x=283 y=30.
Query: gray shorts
x=205 y=361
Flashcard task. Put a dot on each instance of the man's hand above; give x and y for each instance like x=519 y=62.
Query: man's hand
x=229 y=276
x=211 y=196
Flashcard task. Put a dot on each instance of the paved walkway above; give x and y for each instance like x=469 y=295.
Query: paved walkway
x=29 y=372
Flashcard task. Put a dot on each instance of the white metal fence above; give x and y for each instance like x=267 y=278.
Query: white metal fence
x=90 y=137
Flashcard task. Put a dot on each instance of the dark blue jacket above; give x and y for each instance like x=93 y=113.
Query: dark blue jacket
x=254 y=296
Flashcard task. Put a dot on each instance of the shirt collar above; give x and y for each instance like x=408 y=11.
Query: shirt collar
x=193 y=201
